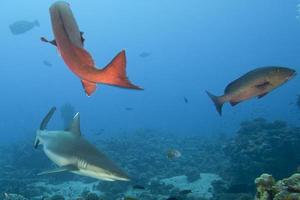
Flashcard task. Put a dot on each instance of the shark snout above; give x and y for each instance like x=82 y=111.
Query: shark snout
x=122 y=177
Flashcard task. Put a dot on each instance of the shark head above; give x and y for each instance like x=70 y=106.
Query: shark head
x=71 y=152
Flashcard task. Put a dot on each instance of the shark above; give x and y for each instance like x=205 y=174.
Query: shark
x=71 y=152
x=70 y=44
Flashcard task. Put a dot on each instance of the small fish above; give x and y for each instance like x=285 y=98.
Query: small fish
x=23 y=26
x=129 y=198
x=173 y=153
x=100 y=132
x=185 y=192
x=145 y=54
x=47 y=63
x=128 y=108
x=138 y=187
x=258 y=82
x=172 y=198
x=185 y=100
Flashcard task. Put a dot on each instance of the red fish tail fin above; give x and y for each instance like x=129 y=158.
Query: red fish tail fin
x=218 y=101
x=115 y=72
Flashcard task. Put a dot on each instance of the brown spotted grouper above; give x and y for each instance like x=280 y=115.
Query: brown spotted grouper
x=257 y=82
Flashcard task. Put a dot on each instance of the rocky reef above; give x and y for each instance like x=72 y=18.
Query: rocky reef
x=143 y=155
x=233 y=162
x=285 y=189
x=260 y=146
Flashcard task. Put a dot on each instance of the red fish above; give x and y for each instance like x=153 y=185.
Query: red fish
x=69 y=42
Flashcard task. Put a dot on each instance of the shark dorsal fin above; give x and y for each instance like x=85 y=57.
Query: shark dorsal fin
x=75 y=125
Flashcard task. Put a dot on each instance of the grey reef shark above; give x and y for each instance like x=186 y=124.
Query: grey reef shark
x=71 y=152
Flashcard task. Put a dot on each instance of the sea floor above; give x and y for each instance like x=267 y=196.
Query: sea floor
x=143 y=155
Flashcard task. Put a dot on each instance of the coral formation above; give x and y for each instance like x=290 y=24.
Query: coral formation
x=286 y=189
x=146 y=167
x=259 y=147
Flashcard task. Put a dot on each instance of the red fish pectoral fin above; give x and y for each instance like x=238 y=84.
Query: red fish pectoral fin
x=89 y=87
x=115 y=72
x=53 y=42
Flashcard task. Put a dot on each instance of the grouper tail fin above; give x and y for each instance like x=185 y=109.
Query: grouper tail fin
x=218 y=101
x=115 y=72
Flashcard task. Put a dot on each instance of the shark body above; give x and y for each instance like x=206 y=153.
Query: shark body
x=70 y=43
x=71 y=152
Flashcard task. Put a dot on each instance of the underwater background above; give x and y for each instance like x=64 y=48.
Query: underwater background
x=175 y=50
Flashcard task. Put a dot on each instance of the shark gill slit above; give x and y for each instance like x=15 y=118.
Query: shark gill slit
x=82 y=163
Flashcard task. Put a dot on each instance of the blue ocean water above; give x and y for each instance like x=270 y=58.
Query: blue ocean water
x=194 y=46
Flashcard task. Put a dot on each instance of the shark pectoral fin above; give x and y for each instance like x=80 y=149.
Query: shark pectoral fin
x=36 y=143
x=262 y=95
x=89 y=87
x=60 y=169
x=53 y=42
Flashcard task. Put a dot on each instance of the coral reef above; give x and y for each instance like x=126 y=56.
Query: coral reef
x=264 y=186
x=286 y=189
x=146 y=166
x=260 y=146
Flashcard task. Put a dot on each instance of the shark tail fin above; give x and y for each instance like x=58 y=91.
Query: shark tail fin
x=44 y=124
x=115 y=72
x=218 y=101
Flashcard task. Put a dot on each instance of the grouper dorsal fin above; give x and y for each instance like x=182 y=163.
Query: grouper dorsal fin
x=75 y=125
